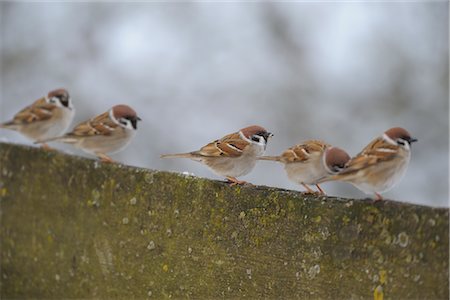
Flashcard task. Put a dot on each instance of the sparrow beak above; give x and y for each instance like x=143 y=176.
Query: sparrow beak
x=266 y=136
x=139 y=119
x=412 y=140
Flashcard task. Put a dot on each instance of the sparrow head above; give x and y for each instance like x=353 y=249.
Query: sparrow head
x=256 y=134
x=335 y=159
x=125 y=116
x=60 y=98
x=400 y=137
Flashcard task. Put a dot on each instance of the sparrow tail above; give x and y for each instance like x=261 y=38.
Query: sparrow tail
x=272 y=158
x=47 y=140
x=329 y=178
x=8 y=125
x=63 y=139
x=179 y=155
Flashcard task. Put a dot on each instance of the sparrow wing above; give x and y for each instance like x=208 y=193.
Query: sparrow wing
x=377 y=151
x=302 y=152
x=38 y=111
x=100 y=125
x=231 y=145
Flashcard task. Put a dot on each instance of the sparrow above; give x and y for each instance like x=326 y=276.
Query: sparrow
x=104 y=134
x=380 y=165
x=310 y=161
x=233 y=155
x=45 y=118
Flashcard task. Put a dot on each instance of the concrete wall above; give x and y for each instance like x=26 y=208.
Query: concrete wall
x=73 y=227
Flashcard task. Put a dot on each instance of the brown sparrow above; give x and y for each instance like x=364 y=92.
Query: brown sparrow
x=47 y=117
x=233 y=155
x=311 y=161
x=109 y=132
x=381 y=164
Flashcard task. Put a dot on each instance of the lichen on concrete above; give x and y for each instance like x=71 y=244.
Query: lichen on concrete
x=77 y=228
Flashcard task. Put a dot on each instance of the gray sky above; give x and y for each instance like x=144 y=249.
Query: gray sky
x=340 y=72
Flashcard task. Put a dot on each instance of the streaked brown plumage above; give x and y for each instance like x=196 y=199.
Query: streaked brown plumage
x=233 y=155
x=310 y=161
x=45 y=118
x=106 y=133
x=381 y=164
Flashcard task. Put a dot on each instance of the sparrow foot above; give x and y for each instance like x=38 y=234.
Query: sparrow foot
x=379 y=198
x=105 y=158
x=309 y=191
x=312 y=193
x=46 y=147
x=321 y=191
x=232 y=181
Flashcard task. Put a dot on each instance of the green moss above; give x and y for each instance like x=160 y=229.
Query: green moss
x=77 y=228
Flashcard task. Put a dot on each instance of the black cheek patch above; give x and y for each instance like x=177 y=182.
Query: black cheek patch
x=134 y=123
x=338 y=168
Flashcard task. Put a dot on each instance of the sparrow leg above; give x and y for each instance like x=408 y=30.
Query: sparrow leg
x=232 y=181
x=320 y=189
x=104 y=158
x=379 y=197
x=308 y=189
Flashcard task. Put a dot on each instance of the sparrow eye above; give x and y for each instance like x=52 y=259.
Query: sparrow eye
x=401 y=142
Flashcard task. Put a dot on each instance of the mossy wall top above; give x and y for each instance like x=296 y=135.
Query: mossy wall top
x=73 y=227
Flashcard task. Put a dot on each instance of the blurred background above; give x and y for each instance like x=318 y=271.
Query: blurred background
x=340 y=72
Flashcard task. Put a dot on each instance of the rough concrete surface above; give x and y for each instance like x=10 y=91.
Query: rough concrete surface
x=76 y=228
